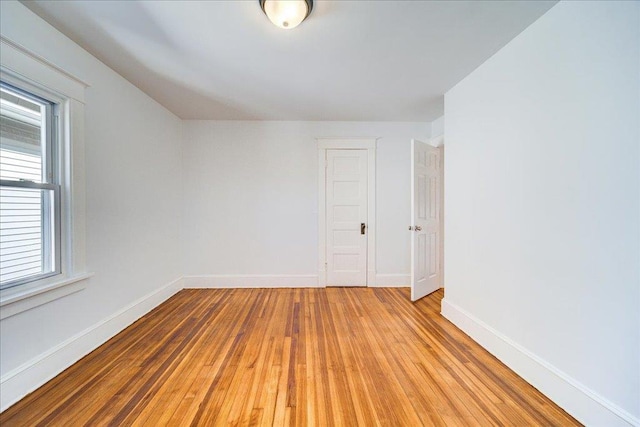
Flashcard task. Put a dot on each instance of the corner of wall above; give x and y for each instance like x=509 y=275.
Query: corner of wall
x=19 y=382
x=586 y=405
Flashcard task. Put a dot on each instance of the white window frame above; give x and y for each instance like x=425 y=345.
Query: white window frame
x=34 y=74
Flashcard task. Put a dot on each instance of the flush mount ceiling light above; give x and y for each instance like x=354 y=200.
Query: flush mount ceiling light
x=286 y=14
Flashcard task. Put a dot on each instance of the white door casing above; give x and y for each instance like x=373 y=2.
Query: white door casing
x=369 y=146
x=346 y=212
x=426 y=200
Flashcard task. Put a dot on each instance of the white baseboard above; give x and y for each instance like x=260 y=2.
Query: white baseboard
x=19 y=382
x=584 y=404
x=392 y=281
x=231 y=281
x=227 y=281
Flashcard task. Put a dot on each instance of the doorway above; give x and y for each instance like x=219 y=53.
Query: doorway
x=346 y=211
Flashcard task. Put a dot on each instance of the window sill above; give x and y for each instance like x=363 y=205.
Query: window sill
x=14 y=301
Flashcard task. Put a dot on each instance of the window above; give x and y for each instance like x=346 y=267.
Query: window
x=42 y=181
x=29 y=188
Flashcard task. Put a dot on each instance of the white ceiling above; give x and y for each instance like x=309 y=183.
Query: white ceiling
x=350 y=60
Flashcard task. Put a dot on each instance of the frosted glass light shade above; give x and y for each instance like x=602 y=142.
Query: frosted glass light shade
x=286 y=14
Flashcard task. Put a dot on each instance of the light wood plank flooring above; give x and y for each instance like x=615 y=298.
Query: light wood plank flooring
x=342 y=356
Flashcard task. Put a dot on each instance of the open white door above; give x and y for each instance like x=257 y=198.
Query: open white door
x=426 y=199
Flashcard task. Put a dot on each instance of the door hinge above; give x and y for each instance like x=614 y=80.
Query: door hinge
x=326 y=266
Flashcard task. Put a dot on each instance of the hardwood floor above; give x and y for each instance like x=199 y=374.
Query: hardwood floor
x=341 y=356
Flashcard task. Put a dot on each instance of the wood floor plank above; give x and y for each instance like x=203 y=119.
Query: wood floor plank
x=263 y=357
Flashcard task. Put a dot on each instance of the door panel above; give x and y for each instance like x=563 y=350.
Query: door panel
x=426 y=197
x=346 y=200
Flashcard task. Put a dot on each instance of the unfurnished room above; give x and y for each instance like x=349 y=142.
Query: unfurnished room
x=317 y=213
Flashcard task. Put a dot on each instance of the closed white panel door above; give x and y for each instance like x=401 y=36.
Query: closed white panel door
x=346 y=217
x=426 y=175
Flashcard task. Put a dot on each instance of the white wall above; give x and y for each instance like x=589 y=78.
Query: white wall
x=251 y=196
x=437 y=127
x=543 y=207
x=133 y=185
